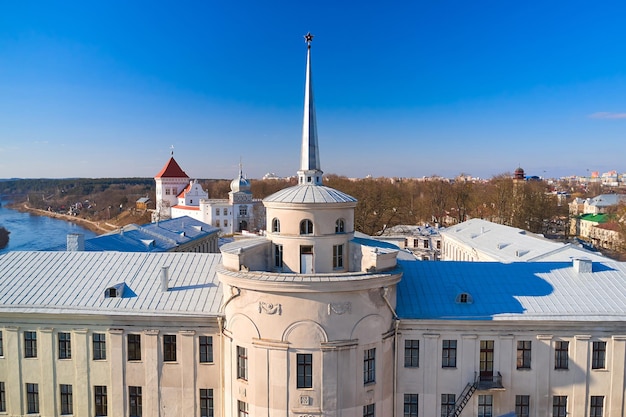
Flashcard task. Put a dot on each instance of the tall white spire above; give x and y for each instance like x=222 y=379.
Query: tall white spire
x=310 y=172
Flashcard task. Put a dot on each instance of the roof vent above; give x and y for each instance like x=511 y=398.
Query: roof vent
x=583 y=265
x=75 y=242
x=502 y=245
x=520 y=252
x=464 y=298
x=116 y=291
x=165 y=277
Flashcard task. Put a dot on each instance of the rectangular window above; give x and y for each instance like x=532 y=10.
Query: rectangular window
x=65 y=345
x=217 y=212
x=447 y=404
x=32 y=398
x=242 y=363
x=337 y=256
x=225 y=223
x=485 y=406
x=1 y=345
x=369 y=366
x=206 y=403
x=448 y=354
x=559 y=406
x=134 y=347
x=439 y=244
x=278 y=256
x=523 y=354
x=243 y=211
x=425 y=244
x=100 y=399
x=242 y=409
x=410 y=405
x=169 y=348
x=67 y=403
x=30 y=344
x=134 y=401
x=225 y=211
x=596 y=406
x=416 y=243
x=369 y=410
x=3 y=397
x=206 y=349
x=598 y=355
x=167 y=191
x=99 y=346
x=305 y=370
x=561 y=355
x=522 y=406
x=217 y=223
x=411 y=353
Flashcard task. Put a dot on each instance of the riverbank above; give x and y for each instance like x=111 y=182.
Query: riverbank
x=96 y=227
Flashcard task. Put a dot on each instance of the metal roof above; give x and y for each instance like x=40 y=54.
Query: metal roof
x=75 y=283
x=309 y=193
x=519 y=291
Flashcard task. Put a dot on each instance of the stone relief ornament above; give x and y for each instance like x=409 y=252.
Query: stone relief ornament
x=305 y=400
x=340 y=308
x=269 y=308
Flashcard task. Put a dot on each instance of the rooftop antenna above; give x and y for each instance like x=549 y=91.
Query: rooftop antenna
x=172 y=150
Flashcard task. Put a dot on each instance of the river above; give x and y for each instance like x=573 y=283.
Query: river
x=30 y=232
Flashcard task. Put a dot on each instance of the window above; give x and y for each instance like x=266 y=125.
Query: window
x=559 y=406
x=523 y=354
x=410 y=405
x=100 y=399
x=439 y=244
x=278 y=256
x=598 y=355
x=134 y=401
x=206 y=348
x=217 y=223
x=99 y=347
x=425 y=244
x=305 y=370
x=596 y=406
x=306 y=227
x=485 y=406
x=340 y=226
x=65 y=345
x=167 y=191
x=337 y=256
x=1 y=345
x=206 y=403
x=411 y=353
x=368 y=410
x=243 y=211
x=3 y=397
x=67 y=404
x=522 y=405
x=134 y=347
x=416 y=243
x=169 y=348
x=30 y=344
x=560 y=355
x=369 y=366
x=217 y=212
x=276 y=226
x=242 y=409
x=32 y=398
x=225 y=223
x=225 y=211
x=448 y=354
x=242 y=363
x=447 y=404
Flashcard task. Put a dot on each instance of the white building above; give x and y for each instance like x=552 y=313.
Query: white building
x=309 y=321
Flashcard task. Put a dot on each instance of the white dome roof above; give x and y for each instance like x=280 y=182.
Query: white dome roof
x=308 y=193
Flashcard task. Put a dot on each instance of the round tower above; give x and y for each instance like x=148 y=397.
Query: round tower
x=308 y=309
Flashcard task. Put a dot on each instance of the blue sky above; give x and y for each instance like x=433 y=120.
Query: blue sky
x=409 y=88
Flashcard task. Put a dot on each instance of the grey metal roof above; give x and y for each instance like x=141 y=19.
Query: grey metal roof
x=308 y=193
x=606 y=200
x=75 y=282
x=519 y=291
x=510 y=244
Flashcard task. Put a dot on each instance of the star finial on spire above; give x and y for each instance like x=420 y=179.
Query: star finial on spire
x=172 y=150
x=308 y=38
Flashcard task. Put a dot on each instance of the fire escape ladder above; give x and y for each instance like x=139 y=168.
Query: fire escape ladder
x=464 y=398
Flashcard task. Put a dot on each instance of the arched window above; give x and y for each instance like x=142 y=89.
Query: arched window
x=306 y=227
x=275 y=225
x=340 y=226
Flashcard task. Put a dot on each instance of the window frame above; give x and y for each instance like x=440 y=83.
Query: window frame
x=338 y=256
x=169 y=348
x=596 y=406
x=206 y=402
x=3 y=398
x=134 y=401
x=369 y=366
x=410 y=405
x=133 y=346
x=100 y=400
x=598 y=355
x=306 y=227
x=522 y=406
x=66 y=399
x=65 y=345
x=1 y=345
x=30 y=344
x=559 y=406
x=242 y=409
x=242 y=363
x=369 y=410
x=524 y=354
x=448 y=353
x=561 y=355
x=278 y=255
x=448 y=401
x=485 y=406
x=340 y=226
x=99 y=346
x=304 y=370
x=205 y=349
x=275 y=225
x=411 y=353
x=32 y=398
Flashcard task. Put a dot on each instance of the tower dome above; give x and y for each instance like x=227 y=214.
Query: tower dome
x=240 y=184
x=519 y=174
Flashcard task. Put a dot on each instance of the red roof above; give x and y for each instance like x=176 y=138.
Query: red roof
x=185 y=190
x=171 y=170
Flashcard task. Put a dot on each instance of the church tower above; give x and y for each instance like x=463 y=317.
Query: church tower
x=309 y=309
x=170 y=181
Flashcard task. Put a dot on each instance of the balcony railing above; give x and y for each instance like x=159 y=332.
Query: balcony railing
x=493 y=382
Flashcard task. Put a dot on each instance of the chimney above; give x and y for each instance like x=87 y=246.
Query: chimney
x=75 y=242
x=583 y=265
x=165 y=277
